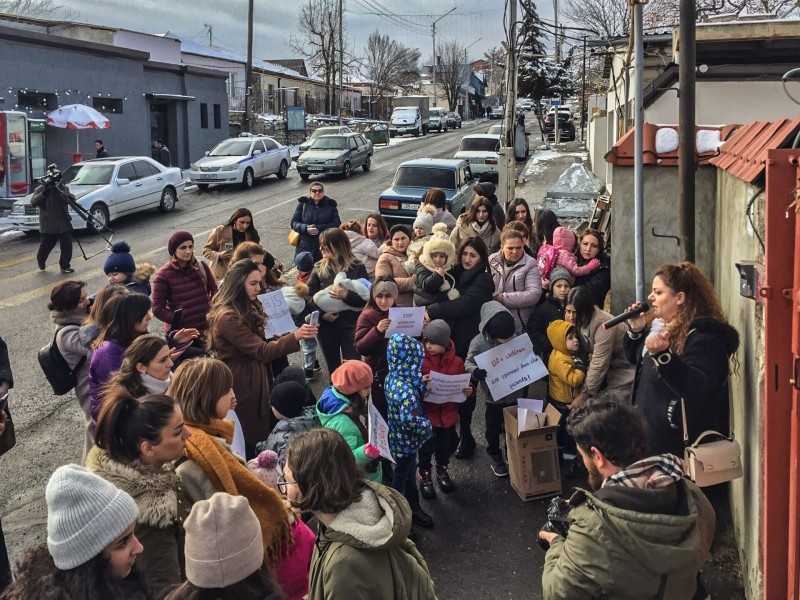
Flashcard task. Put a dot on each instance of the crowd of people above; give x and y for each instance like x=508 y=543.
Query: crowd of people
x=206 y=453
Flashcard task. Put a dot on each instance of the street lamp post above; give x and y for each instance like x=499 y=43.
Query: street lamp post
x=433 y=67
x=466 y=73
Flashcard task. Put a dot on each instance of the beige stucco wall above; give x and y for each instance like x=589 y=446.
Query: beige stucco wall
x=736 y=242
x=598 y=144
x=729 y=102
x=661 y=214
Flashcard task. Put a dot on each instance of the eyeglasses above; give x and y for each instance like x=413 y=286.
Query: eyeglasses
x=283 y=485
x=317 y=191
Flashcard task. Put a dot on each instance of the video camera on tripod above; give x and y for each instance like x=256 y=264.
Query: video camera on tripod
x=52 y=176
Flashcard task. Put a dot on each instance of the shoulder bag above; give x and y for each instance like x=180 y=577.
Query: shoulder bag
x=56 y=369
x=9 y=438
x=294 y=236
x=711 y=462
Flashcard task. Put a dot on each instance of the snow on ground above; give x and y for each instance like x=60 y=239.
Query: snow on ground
x=540 y=156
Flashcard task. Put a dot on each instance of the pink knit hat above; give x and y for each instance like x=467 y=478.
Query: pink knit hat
x=265 y=467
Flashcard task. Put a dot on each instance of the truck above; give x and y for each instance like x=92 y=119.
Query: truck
x=410 y=115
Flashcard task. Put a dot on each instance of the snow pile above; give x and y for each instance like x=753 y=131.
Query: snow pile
x=666 y=140
x=708 y=140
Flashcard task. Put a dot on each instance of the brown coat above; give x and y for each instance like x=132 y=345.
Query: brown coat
x=391 y=263
x=215 y=247
x=248 y=355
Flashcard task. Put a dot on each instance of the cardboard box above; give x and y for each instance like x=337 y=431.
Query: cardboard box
x=533 y=456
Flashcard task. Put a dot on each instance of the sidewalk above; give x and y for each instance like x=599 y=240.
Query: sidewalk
x=545 y=167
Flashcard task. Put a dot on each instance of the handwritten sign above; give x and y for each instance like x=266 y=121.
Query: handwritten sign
x=378 y=431
x=446 y=388
x=408 y=320
x=511 y=366
x=279 y=319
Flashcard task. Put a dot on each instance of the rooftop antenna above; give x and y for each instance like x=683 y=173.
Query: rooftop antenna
x=210 y=35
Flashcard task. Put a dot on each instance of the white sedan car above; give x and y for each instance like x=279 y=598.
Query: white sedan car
x=109 y=188
x=240 y=161
x=481 y=150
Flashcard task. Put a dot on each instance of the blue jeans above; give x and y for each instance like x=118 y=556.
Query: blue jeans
x=404 y=479
x=309 y=348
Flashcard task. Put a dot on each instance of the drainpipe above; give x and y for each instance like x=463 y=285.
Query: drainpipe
x=686 y=120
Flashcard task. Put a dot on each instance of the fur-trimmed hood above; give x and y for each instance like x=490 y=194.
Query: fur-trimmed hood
x=144 y=271
x=155 y=492
x=439 y=242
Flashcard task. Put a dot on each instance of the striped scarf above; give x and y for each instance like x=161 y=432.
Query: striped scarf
x=649 y=473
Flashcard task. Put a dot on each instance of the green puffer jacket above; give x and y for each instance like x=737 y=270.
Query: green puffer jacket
x=365 y=554
x=624 y=554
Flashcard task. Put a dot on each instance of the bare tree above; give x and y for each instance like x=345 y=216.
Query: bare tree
x=44 y=9
x=318 y=22
x=452 y=70
x=389 y=63
x=610 y=18
x=496 y=59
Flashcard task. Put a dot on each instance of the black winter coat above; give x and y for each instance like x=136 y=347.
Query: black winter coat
x=547 y=311
x=347 y=318
x=475 y=287
x=323 y=214
x=54 y=216
x=598 y=281
x=699 y=376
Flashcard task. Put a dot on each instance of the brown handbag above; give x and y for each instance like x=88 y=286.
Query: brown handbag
x=8 y=439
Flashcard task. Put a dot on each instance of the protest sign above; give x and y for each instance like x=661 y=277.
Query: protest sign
x=378 y=432
x=279 y=319
x=408 y=320
x=511 y=366
x=446 y=388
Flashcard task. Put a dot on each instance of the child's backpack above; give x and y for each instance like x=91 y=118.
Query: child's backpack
x=546 y=259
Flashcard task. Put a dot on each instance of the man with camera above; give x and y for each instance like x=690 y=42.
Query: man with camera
x=643 y=532
x=55 y=224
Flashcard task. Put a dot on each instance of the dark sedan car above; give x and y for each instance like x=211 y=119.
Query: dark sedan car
x=566 y=123
x=335 y=154
x=453 y=120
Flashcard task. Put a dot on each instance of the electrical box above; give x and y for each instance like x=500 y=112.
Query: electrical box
x=751 y=275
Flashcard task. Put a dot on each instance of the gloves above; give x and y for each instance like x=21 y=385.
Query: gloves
x=371 y=451
x=479 y=374
x=580 y=364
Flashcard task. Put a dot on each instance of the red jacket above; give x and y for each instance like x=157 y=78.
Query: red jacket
x=371 y=343
x=174 y=287
x=444 y=415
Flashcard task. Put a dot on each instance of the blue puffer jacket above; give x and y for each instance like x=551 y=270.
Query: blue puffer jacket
x=409 y=428
x=323 y=214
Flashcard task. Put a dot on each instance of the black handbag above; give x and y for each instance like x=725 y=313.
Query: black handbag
x=56 y=369
x=9 y=438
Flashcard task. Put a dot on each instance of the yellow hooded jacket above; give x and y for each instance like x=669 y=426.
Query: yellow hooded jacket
x=565 y=378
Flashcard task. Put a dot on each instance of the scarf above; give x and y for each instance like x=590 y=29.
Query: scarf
x=480 y=229
x=156 y=386
x=62 y=319
x=228 y=475
x=649 y=473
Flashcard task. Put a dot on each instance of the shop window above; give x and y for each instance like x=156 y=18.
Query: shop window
x=204 y=115
x=40 y=100
x=107 y=105
x=217 y=116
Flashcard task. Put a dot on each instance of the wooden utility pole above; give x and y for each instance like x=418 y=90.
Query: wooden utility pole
x=248 y=72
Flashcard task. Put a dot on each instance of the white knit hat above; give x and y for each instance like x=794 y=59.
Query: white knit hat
x=223 y=541
x=85 y=513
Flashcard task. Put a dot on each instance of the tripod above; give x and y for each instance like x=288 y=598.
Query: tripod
x=90 y=221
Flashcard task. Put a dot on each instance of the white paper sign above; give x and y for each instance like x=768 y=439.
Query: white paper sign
x=530 y=414
x=446 y=388
x=378 y=431
x=408 y=320
x=279 y=319
x=511 y=366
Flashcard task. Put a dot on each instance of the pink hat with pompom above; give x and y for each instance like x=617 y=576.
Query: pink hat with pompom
x=265 y=467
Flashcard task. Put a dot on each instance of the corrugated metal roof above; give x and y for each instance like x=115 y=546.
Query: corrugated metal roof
x=659 y=145
x=744 y=155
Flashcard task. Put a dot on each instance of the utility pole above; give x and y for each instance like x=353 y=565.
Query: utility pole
x=341 y=59
x=248 y=72
x=686 y=120
x=506 y=179
x=583 y=94
x=638 y=143
x=433 y=67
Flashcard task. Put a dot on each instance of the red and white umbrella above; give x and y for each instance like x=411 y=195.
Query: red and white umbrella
x=77 y=116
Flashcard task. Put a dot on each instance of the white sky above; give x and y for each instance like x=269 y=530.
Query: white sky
x=276 y=20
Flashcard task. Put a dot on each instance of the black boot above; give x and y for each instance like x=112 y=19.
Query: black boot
x=466 y=446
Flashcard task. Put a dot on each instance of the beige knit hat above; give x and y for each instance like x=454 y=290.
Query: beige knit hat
x=223 y=541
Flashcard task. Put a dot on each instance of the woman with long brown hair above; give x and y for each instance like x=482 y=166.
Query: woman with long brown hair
x=236 y=336
x=478 y=221
x=224 y=239
x=687 y=362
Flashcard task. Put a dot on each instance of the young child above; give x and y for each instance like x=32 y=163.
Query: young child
x=370 y=337
x=343 y=407
x=421 y=233
x=567 y=372
x=549 y=310
x=265 y=466
x=304 y=262
x=121 y=269
x=496 y=327
x=433 y=281
x=440 y=356
x=561 y=254
x=288 y=402
x=409 y=428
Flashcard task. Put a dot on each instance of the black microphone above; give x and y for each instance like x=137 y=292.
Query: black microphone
x=642 y=308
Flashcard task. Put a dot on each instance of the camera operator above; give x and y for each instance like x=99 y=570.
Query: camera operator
x=644 y=531
x=55 y=224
